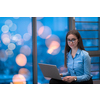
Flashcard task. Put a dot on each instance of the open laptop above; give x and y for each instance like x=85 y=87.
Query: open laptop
x=50 y=71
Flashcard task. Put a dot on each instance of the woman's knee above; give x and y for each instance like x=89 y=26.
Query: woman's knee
x=53 y=81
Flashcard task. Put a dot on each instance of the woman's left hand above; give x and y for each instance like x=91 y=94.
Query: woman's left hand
x=68 y=79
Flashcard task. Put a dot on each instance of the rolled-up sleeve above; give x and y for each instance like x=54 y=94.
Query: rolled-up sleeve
x=87 y=69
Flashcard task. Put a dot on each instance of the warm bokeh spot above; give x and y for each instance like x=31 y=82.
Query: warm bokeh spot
x=53 y=48
x=19 y=79
x=21 y=60
x=25 y=72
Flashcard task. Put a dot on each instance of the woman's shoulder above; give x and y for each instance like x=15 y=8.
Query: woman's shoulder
x=84 y=53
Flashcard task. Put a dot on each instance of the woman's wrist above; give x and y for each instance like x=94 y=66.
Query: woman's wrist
x=74 y=78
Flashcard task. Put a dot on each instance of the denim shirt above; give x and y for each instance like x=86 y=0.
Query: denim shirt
x=79 y=66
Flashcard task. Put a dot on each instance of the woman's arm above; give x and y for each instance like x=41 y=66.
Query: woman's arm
x=87 y=69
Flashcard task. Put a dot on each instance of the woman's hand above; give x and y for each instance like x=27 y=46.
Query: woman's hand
x=69 y=78
x=61 y=74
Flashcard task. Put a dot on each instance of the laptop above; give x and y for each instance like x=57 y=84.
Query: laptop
x=50 y=71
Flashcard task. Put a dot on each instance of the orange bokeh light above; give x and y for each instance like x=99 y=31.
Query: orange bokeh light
x=50 y=51
x=25 y=72
x=40 y=31
x=21 y=60
x=48 y=36
x=44 y=32
x=54 y=45
x=19 y=79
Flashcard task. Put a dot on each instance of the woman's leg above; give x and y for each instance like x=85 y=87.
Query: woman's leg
x=55 y=81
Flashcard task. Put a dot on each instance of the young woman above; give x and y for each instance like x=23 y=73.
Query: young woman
x=77 y=61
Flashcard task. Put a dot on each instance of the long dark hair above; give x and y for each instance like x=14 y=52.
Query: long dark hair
x=67 y=48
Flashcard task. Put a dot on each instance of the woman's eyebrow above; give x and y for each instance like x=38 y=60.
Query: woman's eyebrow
x=71 y=38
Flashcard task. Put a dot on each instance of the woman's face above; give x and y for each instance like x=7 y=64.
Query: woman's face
x=72 y=41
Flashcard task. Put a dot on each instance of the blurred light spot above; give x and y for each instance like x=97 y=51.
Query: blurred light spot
x=54 y=45
x=9 y=52
x=15 y=17
x=21 y=60
x=19 y=79
x=9 y=23
x=25 y=72
x=26 y=36
x=16 y=37
x=50 y=51
x=13 y=27
x=51 y=39
x=62 y=69
x=48 y=36
x=11 y=46
x=5 y=28
x=20 y=42
x=3 y=56
x=39 y=24
x=53 y=51
x=40 y=31
x=25 y=50
x=38 y=18
x=6 y=35
x=44 y=32
x=6 y=40
x=29 y=28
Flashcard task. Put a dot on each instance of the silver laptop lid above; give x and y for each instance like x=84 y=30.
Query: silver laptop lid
x=50 y=71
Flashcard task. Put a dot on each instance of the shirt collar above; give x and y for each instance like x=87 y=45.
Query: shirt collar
x=78 y=51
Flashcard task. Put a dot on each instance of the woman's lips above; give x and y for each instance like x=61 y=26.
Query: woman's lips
x=71 y=45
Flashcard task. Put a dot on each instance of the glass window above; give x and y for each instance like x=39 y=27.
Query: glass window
x=94 y=59
x=86 y=18
x=16 y=50
x=86 y=26
x=89 y=34
x=90 y=42
x=51 y=33
x=95 y=75
x=92 y=49
x=94 y=67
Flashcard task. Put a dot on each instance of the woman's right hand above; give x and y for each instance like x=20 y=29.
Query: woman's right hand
x=61 y=74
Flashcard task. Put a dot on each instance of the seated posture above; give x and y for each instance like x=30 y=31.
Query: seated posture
x=77 y=62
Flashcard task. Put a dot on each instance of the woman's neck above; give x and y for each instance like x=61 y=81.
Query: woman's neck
x=74 y=50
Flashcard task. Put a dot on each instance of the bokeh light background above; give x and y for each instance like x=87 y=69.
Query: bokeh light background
x=16 y=50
